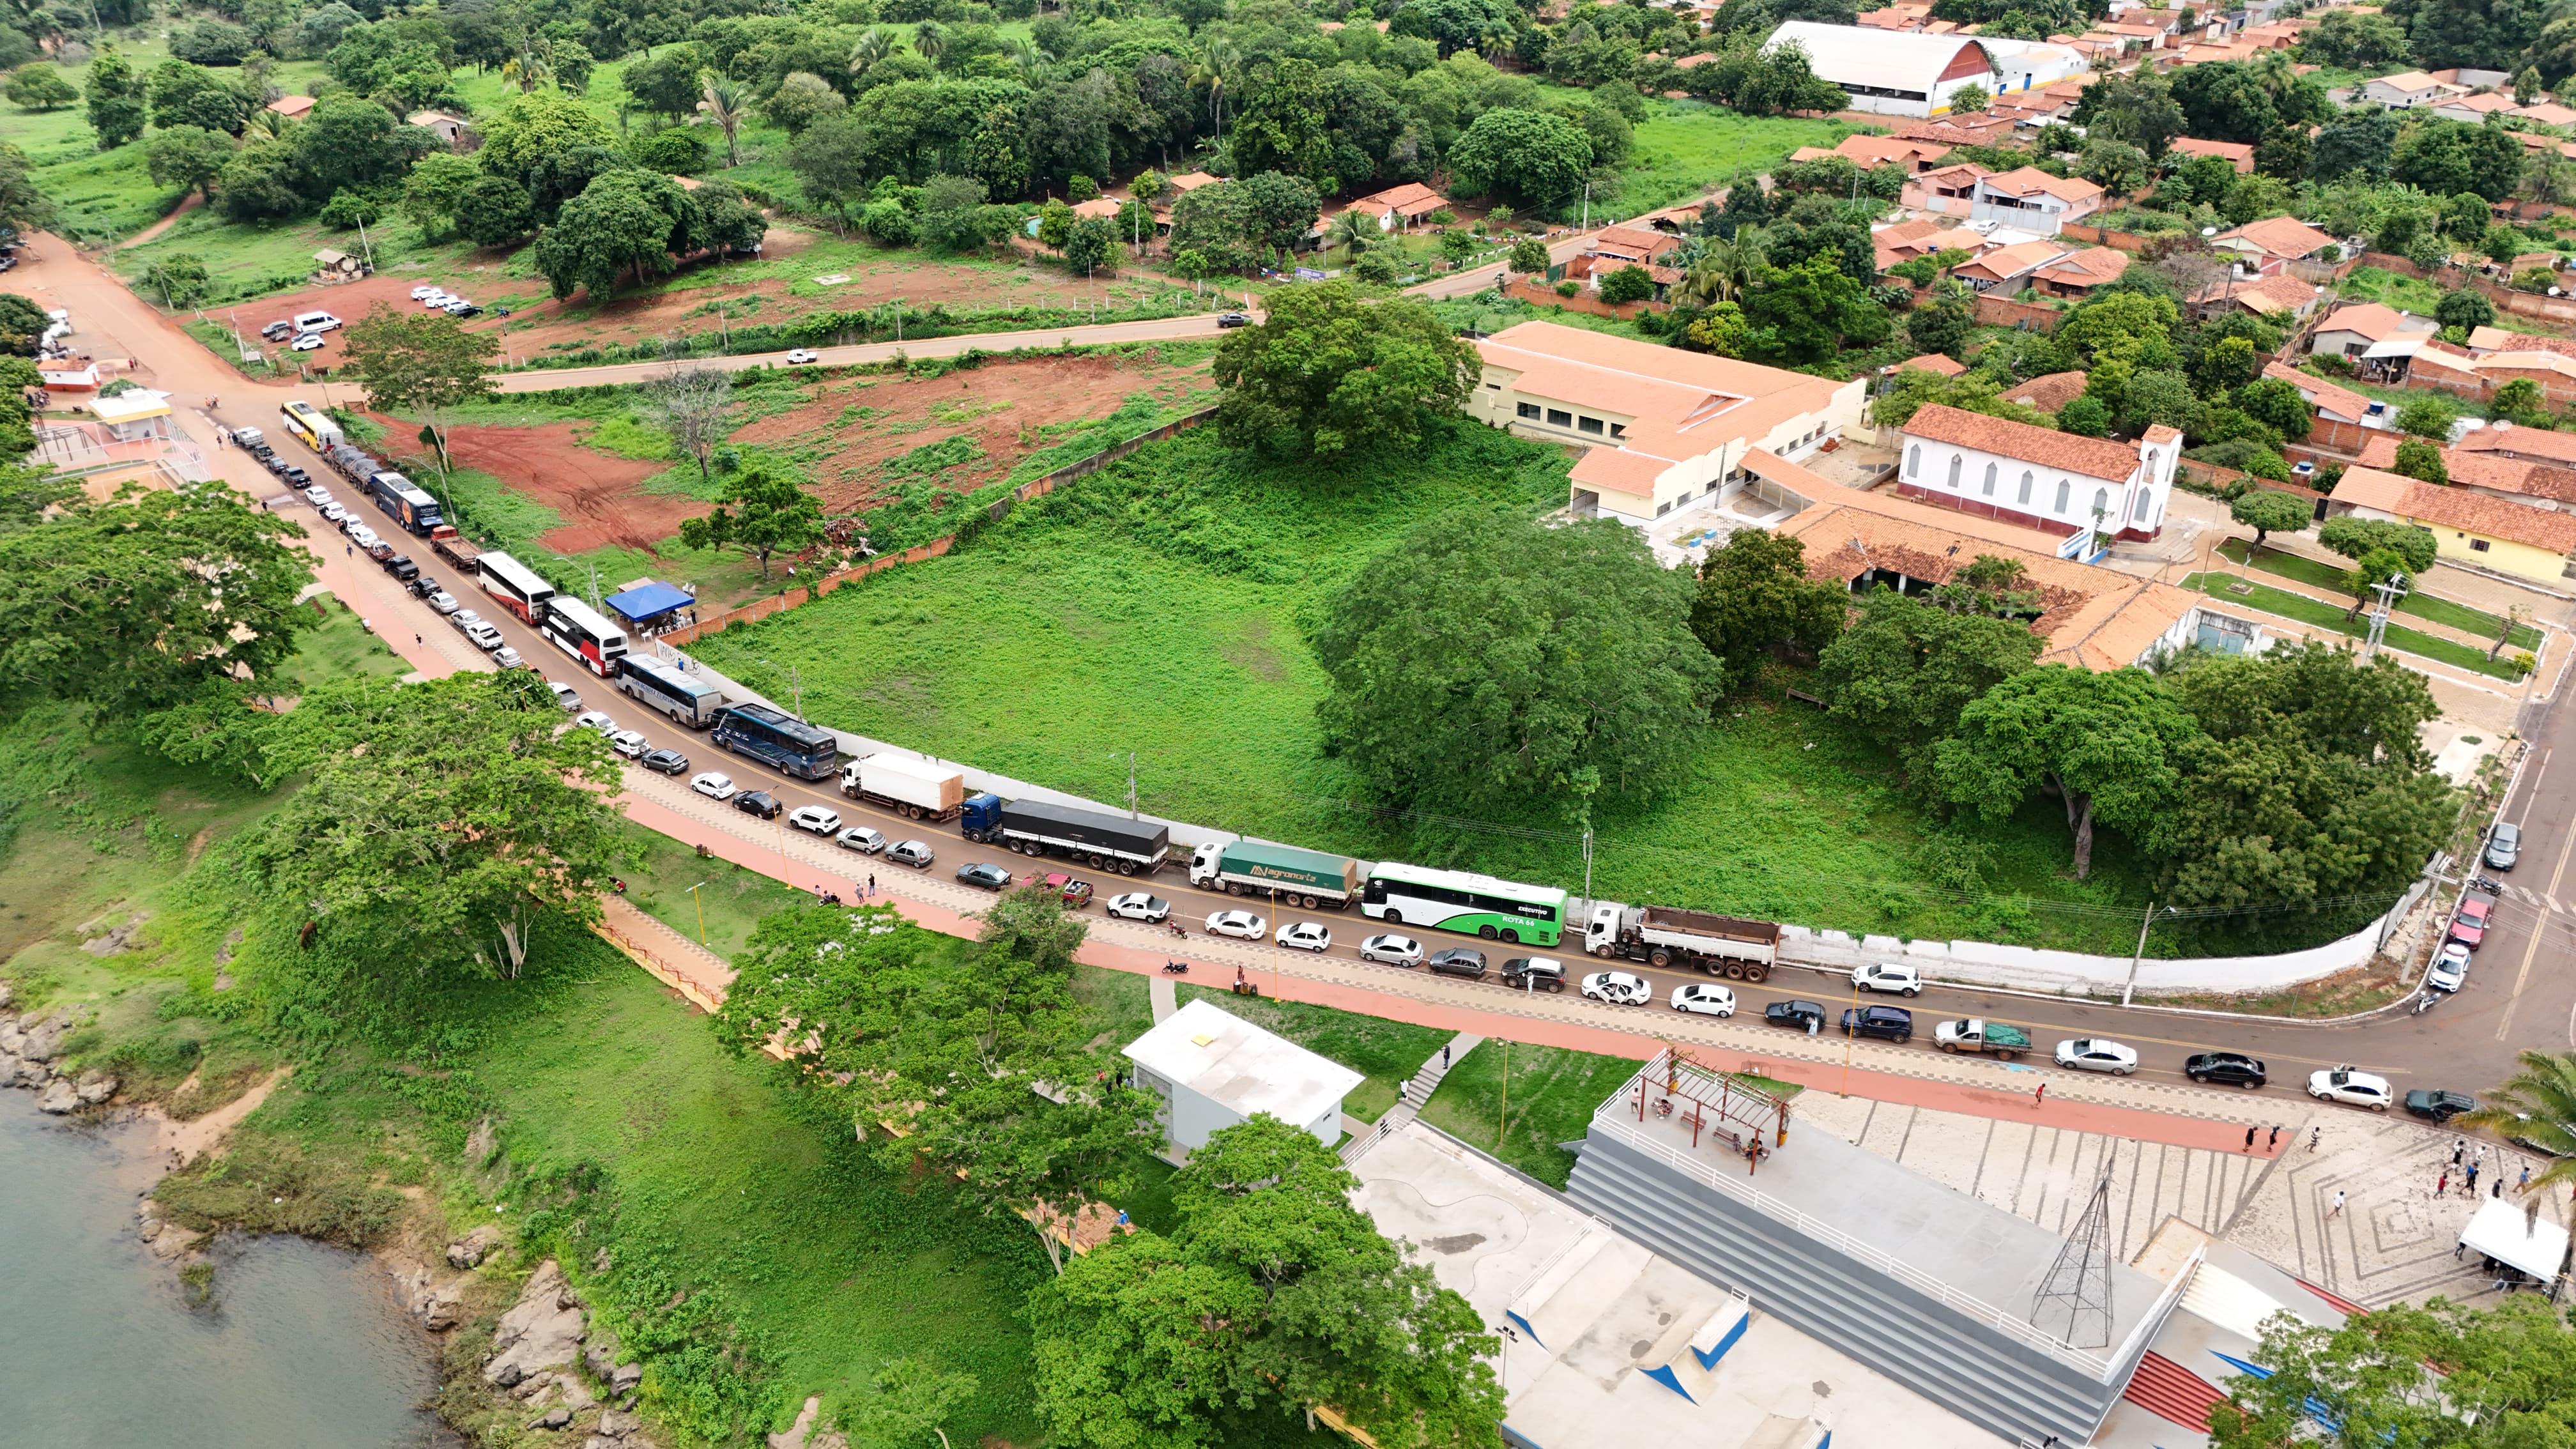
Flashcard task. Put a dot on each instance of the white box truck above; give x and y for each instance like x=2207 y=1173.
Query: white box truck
x=913 y=789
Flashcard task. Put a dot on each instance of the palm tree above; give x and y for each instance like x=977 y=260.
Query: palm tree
x=874 y=46
x=1726 y=266
x=929 y=40
x=1024 y=55
x=527 y=70
x=267 y=122
x=1351 y=229
x=1210 y=64
x=725 y=104
x=2537 y=1107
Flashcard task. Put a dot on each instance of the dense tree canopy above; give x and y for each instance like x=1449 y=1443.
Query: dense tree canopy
x=1487 y=664
x=1754 y=595
x=1328 y=371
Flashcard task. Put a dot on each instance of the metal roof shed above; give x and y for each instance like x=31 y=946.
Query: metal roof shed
x=2505 y=1232
x=1902 y=73
x=1213 y=1069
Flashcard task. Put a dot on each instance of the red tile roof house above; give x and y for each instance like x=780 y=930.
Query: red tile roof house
x=2543 y=485
x=1614 y=247
x=1946 y=190
x=2049 y=391
x=2005 y=269
x=2281 y=297
x=2353 y=330
x=1667 y=431
x=2346 y=422
x=2078 y=273
x=2035 y=201
x=2238 y=154
x=2038 y=477
x=2268 y=245
x=1400 y=206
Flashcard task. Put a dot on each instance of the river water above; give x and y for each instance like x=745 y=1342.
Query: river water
x=98 y=1350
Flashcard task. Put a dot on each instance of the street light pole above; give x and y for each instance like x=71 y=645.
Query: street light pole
x=702 y=911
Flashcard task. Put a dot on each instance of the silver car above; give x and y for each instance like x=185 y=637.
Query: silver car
x=1392 y=950
x=861 y=839
x=913 y=853
x=465 y=619
x=443 y=602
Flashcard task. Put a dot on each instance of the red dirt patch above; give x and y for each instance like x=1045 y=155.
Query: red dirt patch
x=597 y=495
x=863 y=422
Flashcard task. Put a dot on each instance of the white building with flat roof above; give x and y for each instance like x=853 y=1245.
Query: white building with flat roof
x=1213 y=1069
x=1891 y=72
x=1607 y=1343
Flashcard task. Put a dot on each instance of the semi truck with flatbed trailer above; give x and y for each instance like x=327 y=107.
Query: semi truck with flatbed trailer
x=451 y=546
x=1728 y=946
x=911 y=788
x=1095 y=837
x=1307 y=878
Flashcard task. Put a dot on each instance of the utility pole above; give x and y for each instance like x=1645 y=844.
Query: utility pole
x=2138 y=957
x=2387 y=589
x=797 y=685
x=1131 y=784
x=702 y=911
x=1587 y=864
x=1587 y=206
x=1503 y=1117
x=365 y=245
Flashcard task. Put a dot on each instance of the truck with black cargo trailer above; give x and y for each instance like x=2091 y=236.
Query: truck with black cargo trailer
x=1095 y=837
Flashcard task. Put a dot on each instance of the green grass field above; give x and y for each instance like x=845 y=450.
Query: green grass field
x=2414 y=294
x=1162 y=606
x=2329 y=616
x=1685 y=147
x=2423 y=606
x=1550 y=1099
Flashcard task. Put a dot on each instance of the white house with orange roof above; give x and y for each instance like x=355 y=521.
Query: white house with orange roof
x=2079 y=488
x=2407 y=90
x=2034 y=201
x=1666 y=431
x=2267 y=245
x=2473 y=108
x=2354 y=330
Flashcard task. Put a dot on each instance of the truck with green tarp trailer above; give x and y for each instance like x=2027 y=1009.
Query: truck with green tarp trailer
x=1308 y=878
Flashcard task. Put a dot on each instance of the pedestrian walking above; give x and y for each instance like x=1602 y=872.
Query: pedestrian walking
x=2443 y=1187
x=2313 y=1134
x=872 y=882
x=2496 y=1189
x=2249 y=1139
x=416 y=639
x=2473 y=1179
x=2338 y=1203
x=1444 y=1059
x=2039 y=1095
x=2459 y=1150
x=2525 y=1184
x=2274 y=1143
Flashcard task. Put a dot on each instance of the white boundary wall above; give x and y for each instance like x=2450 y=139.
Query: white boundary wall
x=1972 y=962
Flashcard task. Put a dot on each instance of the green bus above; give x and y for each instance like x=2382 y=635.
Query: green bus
x=1455 y=900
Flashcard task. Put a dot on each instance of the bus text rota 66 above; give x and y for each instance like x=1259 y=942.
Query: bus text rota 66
x=1453 y=900
x=778 y=739
x=660 y=686
x=576 y=629
x=309 y=423
x=515 y=587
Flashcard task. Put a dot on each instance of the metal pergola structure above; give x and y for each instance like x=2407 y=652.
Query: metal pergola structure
x=1729 y=1109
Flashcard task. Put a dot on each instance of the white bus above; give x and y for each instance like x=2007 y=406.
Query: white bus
x=1454 y=900
x=515 y=586
x=664 y=687
x=576 y=629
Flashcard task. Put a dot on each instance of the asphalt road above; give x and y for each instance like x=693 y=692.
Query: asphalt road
x=2518 y=994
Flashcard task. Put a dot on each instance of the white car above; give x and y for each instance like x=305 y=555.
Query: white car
x=1138 y=906
x=1306 y=936
x=434 y=298
x=629 y=744
x=861 y=839
x=2352 y=1088
x=801 y=356
x=305 y=342
x=465 y=618
x=715 y=786
x=2450 y=969
x=596 y=719
x=425 y=291
x=1887 y=976
x=482 y=636
x=814 y=819
x=507 y=657
x=317 y=495
x=563 y=694
x=1392 y=950
x=363 y=536
x=1242 y=924
x=1619 y=988
x=335 y=513
x=443 y=602
x=2095 y=1054
x=1705 y=998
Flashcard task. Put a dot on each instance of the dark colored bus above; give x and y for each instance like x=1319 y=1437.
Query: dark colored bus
x=779 y=740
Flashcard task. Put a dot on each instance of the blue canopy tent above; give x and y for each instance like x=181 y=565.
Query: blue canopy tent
x=648 y=606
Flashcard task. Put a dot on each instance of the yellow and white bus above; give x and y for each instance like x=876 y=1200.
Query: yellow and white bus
x=309 y=424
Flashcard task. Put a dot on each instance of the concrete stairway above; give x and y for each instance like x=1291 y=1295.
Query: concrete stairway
x=1417 y=1090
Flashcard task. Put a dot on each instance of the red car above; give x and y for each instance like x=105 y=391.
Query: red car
x=1076 y=893
x=2470 y=927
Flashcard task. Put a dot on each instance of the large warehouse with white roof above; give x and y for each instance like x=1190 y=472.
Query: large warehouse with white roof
x=1892 y=73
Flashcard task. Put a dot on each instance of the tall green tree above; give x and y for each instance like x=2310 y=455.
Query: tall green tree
x=2354 y=537
x=2409 y=1377
x=2536 y=1106
x=1754 y=595
x=115 y=95
x=39 y=86
x=136 y=602
x=1906 y=668
x=187 y=157
x=424 y=364
x=2104 y=744
x=1531 y=159
x=626 y=223
x=1486 y=665
x=763 y=510
x=2267 y=511
x=1329 y=370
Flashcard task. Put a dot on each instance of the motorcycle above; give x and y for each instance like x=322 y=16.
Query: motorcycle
x=2424 y=1003
x=1175 y=928
x=2488 y=884
x=1176 y=968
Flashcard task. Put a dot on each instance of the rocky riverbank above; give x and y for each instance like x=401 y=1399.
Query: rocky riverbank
x=29 y=1050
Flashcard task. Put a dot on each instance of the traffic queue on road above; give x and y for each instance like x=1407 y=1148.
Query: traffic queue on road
x=914 y=793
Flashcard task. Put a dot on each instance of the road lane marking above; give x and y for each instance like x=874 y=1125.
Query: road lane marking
x=2522 y=978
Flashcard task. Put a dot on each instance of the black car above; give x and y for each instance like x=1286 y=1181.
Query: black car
x=757 y=802
x=422 y=586
x=1888 y=1023
x=296 y=476
x=1534 y=973
x=278 y=331
x=978 y=873
x=2439 y=1106
x=2226 y=1069
x=1234 y=319
x=273 y=463
x=401 y=567
x=1459 y=961
x=665 y=762
x=1804 y=1015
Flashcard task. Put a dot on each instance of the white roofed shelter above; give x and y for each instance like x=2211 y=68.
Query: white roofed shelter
x=2530 y=1244
x=1213 y=1069
x=1890 y=72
